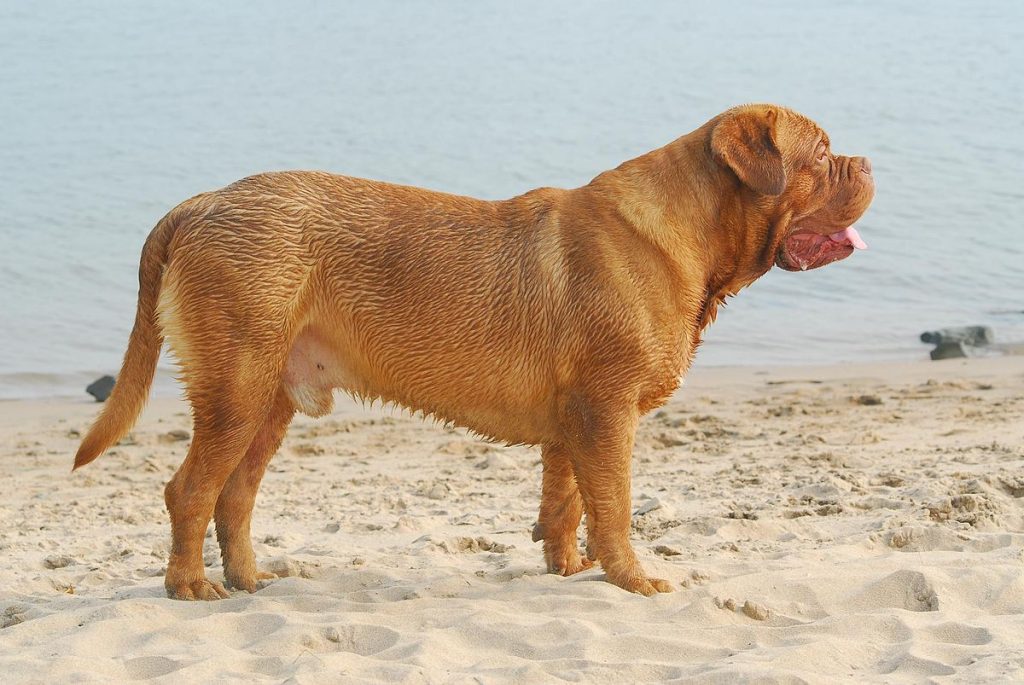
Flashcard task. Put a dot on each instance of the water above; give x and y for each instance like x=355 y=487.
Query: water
x=113 y=112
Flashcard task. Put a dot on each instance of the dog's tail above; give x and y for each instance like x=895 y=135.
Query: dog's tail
x=131 y=390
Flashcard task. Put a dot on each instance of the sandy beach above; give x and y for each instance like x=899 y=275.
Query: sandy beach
x=853 y=523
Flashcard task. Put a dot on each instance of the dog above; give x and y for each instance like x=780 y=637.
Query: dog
x=556 y=318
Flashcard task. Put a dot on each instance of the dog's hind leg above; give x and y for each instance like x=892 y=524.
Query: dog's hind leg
x=561 y=508
x=233 y=512
x=228 y=412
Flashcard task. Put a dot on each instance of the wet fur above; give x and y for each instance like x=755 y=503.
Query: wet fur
x=556 y=318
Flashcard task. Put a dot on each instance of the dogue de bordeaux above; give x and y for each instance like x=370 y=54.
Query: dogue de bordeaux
x=556 y=318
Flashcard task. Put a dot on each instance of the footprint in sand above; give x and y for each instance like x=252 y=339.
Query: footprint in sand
x=364 y=640
x=146 y=667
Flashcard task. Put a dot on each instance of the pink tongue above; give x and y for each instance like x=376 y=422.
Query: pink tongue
x=849 y=236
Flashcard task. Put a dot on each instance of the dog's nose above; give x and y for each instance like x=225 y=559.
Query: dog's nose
x=865 y=165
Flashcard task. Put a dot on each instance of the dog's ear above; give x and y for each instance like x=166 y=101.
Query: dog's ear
x=745 y=142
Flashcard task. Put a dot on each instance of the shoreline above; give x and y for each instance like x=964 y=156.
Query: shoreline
x=166 y=396
x=70 y=387
x=854 y=522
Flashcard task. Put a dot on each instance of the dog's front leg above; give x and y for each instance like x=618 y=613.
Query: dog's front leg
x=601 y=460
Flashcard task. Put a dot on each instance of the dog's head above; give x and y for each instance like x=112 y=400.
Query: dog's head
x=810 y=196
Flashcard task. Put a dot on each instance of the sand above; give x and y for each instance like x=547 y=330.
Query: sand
x=846 y=524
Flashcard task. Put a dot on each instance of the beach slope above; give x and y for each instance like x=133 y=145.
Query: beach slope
x=852 y=523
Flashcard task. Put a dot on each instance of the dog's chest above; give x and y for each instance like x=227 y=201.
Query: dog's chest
x=667 y=364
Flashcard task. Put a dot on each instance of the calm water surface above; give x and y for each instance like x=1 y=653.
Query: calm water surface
x=111 y=113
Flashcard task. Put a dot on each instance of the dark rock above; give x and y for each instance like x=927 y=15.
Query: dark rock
x=101 y=388
x=957 y=343
x=968 y=335
x=949 y=350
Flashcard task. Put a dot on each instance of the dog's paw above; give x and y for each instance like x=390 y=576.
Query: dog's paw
x=569 y=566
x=251 y=583
x=564 y=560
x=206 y=590
x=642 y=585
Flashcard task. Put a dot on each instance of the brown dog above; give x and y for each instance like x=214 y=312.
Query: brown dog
x=556 y=318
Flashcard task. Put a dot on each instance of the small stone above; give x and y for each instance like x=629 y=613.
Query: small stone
x=666 y=551
x=101 y=388
x=948 y=350
x=868 y=400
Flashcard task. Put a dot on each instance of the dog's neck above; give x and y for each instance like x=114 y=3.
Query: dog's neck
x=690 y=205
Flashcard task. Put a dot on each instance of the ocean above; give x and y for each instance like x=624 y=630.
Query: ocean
x=113 y=112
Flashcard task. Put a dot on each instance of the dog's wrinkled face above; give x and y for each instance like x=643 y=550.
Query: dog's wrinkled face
x=787 y=160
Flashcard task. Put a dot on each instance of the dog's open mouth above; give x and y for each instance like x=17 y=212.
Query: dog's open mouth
x=806 y=248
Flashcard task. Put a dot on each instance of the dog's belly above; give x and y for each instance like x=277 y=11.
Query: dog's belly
x=311 y=373
x=319 y=363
